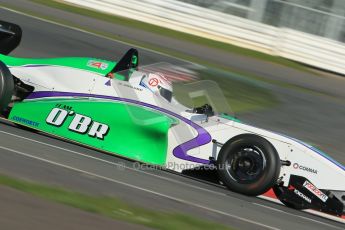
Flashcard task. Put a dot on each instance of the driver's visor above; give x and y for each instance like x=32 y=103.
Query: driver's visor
x=167 y=94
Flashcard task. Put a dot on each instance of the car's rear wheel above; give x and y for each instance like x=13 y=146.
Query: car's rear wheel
x=248 y=164
x=6 y=87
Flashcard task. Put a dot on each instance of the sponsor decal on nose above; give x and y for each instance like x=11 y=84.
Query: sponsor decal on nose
x=304 y=168
x=304 y=197
x=97 y=64
x=314 y=190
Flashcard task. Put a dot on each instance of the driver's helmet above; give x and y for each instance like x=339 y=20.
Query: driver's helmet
x=158 y=84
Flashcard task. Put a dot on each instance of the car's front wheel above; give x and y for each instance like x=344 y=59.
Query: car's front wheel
x=248 y=164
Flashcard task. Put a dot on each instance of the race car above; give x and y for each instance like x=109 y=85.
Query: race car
x=135 y=112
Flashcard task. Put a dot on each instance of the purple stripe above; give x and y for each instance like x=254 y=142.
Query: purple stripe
x=180 y=151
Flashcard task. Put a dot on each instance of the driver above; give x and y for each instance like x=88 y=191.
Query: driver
x=158 y=84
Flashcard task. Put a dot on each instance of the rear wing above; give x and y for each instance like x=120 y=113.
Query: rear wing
x=10 y=37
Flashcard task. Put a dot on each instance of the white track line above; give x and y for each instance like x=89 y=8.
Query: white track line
x=325 y=215
x=115 y=164
x=141 y=189
x=294 y=215
x=268 y=207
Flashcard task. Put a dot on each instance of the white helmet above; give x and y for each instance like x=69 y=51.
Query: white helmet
x=158 y=84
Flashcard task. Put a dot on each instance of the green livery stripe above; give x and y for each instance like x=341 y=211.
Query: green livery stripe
x=133 y=132
x=231 y=118
x=90 y=64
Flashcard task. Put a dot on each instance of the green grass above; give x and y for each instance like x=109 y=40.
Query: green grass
x=170 y=33
x=112 y=207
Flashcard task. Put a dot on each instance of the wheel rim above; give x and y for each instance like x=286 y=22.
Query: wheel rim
x=246 y=164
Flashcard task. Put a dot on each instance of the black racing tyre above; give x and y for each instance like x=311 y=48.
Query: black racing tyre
x=6 y=86
x=248 y=164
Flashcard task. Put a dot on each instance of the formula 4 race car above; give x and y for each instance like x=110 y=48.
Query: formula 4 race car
x=121 y=109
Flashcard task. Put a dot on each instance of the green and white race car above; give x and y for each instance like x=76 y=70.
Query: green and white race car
x=131 y=111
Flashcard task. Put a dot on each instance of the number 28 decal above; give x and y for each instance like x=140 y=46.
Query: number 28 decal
x=80 y=123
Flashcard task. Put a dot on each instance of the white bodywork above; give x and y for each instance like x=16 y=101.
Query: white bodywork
x=305 y=161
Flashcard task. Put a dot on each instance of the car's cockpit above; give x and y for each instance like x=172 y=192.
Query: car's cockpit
x=151 y=78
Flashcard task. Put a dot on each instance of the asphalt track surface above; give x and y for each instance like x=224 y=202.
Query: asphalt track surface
x=27 y=210
x=40 y=158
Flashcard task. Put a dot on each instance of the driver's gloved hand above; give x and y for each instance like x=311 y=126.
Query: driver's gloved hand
x=205 y=109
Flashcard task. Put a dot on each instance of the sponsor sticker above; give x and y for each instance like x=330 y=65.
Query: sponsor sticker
x=304 y=197
x=80 y=123
x=298 y=193
x=153 y=82
x=304 y=168
x=25 y=121
x=97 y=64
x=315 y=191
x=129 y=86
